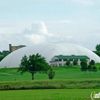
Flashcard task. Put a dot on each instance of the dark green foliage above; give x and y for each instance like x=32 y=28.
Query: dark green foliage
x=51 y=73
x=97 y=52
x=98 y=47
x=75 y=62
x=84 y=69
x=84 y=65
x=33 y=64
x=89 y=68
x=24 y=65
x=1 y=57
x=3 y=54
x=0 y=53
x=68 y=62
x=94 y=69
x=92 y=62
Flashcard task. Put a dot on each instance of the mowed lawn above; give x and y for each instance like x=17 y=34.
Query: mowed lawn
x=47 y=94
x=60 y=73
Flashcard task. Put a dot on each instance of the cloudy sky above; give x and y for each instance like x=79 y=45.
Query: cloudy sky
x=28 y=22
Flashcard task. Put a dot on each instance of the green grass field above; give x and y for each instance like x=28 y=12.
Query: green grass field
x=60 y=73
x=51 y=94
x=65 y=76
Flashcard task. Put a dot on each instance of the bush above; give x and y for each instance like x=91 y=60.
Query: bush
x=75 y=62
x=68 y=62
x=51 y=73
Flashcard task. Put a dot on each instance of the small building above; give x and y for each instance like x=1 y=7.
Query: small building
x=13 y=48
x=60 y=60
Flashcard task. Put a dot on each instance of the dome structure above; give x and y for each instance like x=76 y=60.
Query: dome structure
x=47 y=50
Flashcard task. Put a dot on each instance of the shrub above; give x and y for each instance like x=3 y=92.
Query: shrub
x=68 y=62
x=75 y=62
x=51 y=73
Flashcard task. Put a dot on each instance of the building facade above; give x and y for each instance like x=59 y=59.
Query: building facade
x=60 y=60
x=13 y=48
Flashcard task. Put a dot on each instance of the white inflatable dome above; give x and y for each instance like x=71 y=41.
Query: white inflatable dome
x=48 y=51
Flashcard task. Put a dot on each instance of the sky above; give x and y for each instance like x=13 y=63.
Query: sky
x=29 y=22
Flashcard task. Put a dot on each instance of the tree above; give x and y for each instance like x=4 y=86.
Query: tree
x=1 y=57
x=97 y=47
x=33 y=64
x=68 y=62
x=75 y=62
x=3 y=54
x=92 y=65
x=94 y=69
x=89 y=68
x=84 y=65
x=51 y=73
x=92 y=62
x=97 y=52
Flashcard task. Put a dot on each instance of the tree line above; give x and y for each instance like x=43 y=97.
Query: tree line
x=3 y=54
x=84 y=65
x=88 y=67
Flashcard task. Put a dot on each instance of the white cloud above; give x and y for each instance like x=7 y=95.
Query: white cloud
x=38 y=32
x=36 y=39
x=85 y=2
x=35 y=34
x=37 y=27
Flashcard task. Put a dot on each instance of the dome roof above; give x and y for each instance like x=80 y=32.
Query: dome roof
x=48 y=51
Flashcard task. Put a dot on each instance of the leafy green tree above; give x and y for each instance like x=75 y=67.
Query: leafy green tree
x=92 y=62
x=89 y=68
x=68 y=62
x=98 y=47
x=1 y=57
x=75 y=62
x=33 y=64
x=97 y=52
x=94 y=69
x=3 y=54
x=51 y=73
x=84 y=65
